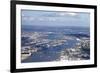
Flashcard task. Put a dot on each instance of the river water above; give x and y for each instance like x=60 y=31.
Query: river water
x=51 y=53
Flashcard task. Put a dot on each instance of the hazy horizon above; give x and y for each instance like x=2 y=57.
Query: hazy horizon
x=55 y=18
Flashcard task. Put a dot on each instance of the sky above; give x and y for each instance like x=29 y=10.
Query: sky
x=55 y=18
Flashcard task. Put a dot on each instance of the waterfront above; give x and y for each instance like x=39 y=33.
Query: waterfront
x=52 y=45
